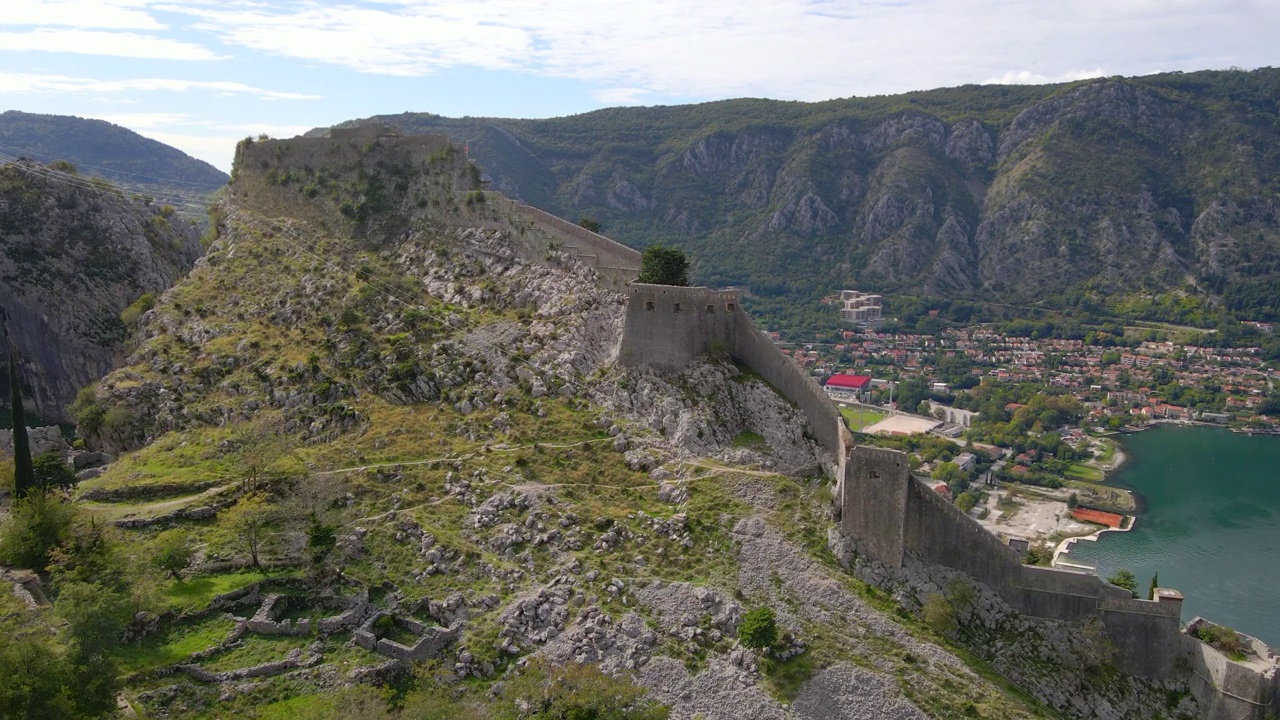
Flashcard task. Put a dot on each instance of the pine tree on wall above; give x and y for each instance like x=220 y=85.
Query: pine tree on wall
x=24 y=475
x=662 y=265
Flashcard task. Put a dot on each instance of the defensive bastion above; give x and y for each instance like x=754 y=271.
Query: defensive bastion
x=893 y=517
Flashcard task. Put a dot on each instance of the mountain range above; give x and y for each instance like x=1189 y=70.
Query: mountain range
x=1082 y=193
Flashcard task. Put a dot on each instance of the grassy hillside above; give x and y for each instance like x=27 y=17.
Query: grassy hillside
x=410 y=407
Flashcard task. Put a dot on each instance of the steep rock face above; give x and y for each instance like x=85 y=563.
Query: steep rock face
x=71 y=259
x=1109 y=185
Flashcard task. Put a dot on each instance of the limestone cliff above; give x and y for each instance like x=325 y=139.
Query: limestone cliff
x=74 y=254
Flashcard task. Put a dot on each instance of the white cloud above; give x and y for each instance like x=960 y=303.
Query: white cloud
x=145 y=120
x=104 y=14
x=1026 y=77
x=20 y=83
x=414 y=41
x=801 y=49
x=101 y=42
x=217 y=150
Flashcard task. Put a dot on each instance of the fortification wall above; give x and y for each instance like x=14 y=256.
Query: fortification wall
x=667 y=327
x=541 y=232
x=752 y=348
x=874 y=510
x=1145 y=635
x=317 y=152
x=936 y=530
x=1058 y=594
x=1228 y=690
x=607 y=253
x=891 y=514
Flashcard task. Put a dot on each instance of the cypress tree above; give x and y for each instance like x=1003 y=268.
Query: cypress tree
x=24 y=474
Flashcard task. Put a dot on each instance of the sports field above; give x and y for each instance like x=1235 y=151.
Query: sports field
x=860 y=416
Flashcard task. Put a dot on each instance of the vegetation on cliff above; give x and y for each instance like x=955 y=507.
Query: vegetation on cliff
x=75 y=253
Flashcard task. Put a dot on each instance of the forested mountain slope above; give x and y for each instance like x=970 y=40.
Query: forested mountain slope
x=97 y=147
x=1069 y=195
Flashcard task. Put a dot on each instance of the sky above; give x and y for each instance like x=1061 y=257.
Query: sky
x=202 y=74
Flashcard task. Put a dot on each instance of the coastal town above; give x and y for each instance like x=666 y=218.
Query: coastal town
x=1018 y=429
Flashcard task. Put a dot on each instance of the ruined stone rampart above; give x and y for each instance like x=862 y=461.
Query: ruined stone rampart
x=935 y=529
x=667 y=327
x=1236 y=691
x=265 y=622
x=256 y=155
x=431 y=640
x=542 y=233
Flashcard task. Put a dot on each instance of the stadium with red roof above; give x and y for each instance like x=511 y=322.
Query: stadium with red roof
x=849 y=382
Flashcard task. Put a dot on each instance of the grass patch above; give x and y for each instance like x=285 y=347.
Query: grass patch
x=1087 y=473
x=170 y=466
x=255 y=650
x=785 y=678
x=173 y=646
x=195 y=593
x=750 y=440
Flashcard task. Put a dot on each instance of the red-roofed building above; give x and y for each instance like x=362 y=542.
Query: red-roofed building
x=855 y=383
x=848 y=387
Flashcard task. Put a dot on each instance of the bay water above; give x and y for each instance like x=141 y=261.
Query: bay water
x=1209 y=524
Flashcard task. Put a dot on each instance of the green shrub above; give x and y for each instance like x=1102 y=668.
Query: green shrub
x=172 y=552
x=130 y=315
x=939 y=613
x=759 y=628
x=39 y=524
x=573 y=692
x=1221 y=637
x=52 y=470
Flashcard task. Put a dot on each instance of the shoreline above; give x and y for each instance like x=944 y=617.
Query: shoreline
x=1064 y=547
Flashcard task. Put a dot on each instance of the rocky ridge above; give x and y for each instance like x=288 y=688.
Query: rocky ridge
x=74 y=254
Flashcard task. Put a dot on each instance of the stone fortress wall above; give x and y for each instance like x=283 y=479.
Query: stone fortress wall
x=324 y=151
x=615 y=263
x=666 y=327
x=893 y=516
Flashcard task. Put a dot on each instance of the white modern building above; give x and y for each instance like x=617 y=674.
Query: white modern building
x=859 y=307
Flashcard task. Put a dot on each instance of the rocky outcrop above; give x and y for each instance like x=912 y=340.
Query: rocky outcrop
x=73 y=255
x=43 y=440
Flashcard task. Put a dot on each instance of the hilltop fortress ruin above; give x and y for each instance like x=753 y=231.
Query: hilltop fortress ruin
x=893 y=523
x=889 y=525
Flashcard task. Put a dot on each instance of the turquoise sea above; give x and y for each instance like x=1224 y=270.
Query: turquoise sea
x=1209 y=524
